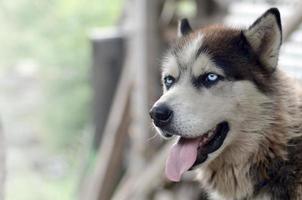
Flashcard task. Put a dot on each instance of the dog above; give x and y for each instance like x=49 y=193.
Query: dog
x=237 y=116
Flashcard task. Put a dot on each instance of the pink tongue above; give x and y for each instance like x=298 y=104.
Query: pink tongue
x=182 y=156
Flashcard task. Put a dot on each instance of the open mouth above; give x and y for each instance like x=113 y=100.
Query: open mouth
x=189 y=152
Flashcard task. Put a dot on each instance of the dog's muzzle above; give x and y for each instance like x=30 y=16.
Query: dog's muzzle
x=161 y=115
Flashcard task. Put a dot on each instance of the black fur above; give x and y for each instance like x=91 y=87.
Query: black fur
x=282 y=175
x=184 y=27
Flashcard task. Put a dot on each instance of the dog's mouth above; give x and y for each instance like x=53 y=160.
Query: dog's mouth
x=190 y=152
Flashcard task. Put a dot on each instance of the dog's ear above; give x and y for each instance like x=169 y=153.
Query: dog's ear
x=184 y=27
x=265 y=38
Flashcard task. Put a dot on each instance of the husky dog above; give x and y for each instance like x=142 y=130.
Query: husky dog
x=237 y=116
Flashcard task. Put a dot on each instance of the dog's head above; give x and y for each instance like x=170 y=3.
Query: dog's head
x=215 y=81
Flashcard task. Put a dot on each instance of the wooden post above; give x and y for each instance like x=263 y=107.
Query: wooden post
x=143 y=43
x=108 y=56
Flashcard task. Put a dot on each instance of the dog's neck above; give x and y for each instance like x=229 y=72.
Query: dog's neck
x=247 y=170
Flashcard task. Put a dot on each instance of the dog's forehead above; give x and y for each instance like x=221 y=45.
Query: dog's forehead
x=182 y=54
x=205 y=49
x=186 y=49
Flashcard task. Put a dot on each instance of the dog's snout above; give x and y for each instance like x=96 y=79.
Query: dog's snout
x=161 y=115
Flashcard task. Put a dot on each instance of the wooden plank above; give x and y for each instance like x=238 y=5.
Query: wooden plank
x=134 y=187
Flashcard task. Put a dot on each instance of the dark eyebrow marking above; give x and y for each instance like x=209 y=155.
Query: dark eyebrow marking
x=201 y=49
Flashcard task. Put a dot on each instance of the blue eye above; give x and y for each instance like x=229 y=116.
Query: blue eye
x=207 y=80
x=212 y=77
x=169 y=81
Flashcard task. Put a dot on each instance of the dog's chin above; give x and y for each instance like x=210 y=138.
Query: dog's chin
x=164 y=134
x=209 y=142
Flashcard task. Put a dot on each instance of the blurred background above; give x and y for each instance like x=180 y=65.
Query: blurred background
x=77 y=79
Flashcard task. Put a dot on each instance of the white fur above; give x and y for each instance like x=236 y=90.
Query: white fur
x=187 y=54
x=170 y=66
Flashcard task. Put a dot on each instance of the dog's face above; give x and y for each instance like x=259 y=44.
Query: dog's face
x=215 y=80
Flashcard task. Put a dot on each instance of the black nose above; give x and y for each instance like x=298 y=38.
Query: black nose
x=161 y=115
